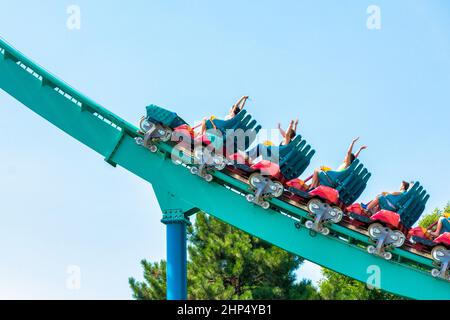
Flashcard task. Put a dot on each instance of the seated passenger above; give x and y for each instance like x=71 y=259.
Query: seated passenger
x=443 y=226
x=290 y=133
x=349 y=158
x=374 y=205
x=235 y=109
x=262 y=148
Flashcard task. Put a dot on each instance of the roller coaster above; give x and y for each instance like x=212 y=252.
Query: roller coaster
x=264 y=198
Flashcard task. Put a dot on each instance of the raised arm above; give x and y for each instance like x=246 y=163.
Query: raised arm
x=241 y=103
x=348 y=157
x=359 y=151
x=282 y=132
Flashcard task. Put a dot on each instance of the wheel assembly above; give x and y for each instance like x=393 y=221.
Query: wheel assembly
x=436 y=273
x=146 y=125
x=438 y=253
x=325 y=231
x=254 y=179
x=139 y=141
x=153 y=148
x=309 y=224
x=398 y=238
x=277 y=189
x=387 y=255
x=336 y=214
x=209 y=177
x=375 y=230
x=371 y=249
x=167 y=136
x=314 y=205
x=265 y=205
x=219 y=163
x=250 y=198
x=194 y=170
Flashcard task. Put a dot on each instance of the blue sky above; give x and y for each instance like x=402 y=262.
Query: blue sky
x=316 y=60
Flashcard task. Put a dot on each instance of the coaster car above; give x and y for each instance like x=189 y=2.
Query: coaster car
x=337 y=190
x=439 y=249
x=278 y=165
x=223 y=138
x=389 y=225
x=159 y=125
x=209 y=150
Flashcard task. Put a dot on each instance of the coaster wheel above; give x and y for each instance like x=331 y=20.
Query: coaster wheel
x=145 y=125
x=339 y=214
x=387 y=255
x=314 y=205
x=436 y=273
x=325 y=231
x=309 y=224
x=371 y=249
x=255 y=179
x=153 y=148
x=250 y=198
x=438 y=253
x=398 y=237
x=375 y=230
x=167 y=136
x=278 y=189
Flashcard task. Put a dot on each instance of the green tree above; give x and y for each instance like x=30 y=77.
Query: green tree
x=428 y=219
x=154 y=285
x=335 y=286
x=226 y=263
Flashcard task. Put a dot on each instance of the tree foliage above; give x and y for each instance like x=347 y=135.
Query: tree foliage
x=335 y=286
x=226 y=263
x=429 y=219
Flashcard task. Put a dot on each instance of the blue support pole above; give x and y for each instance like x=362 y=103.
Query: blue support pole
x=176 y=272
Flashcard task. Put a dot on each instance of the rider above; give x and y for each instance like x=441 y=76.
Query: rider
x=234 y=111
x=348 y=160
x=374 y=204
x=288 y=136
x=443 y=226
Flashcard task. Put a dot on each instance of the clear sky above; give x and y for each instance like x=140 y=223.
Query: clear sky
x=62 y=206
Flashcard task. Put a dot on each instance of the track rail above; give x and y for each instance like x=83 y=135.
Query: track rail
x=112 y=137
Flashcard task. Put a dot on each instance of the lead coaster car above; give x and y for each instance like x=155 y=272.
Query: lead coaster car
x=387 y=228
x=161 y=125
x=267 y=178
x=439 y=249
x=158 y=125
x=336 y=191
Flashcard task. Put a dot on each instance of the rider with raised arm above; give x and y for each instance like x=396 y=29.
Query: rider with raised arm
x=348 y=160
x=287 y=136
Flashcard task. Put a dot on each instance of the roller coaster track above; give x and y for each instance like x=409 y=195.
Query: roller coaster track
x=407 y=274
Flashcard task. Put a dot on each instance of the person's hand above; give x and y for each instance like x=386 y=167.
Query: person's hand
x=355 y=140
x=363 y=147
x=296 y=121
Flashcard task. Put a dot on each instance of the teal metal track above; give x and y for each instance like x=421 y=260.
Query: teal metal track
x=343 y=251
